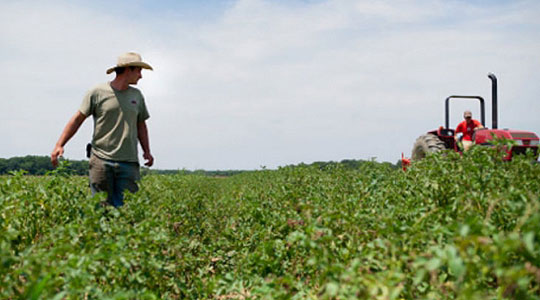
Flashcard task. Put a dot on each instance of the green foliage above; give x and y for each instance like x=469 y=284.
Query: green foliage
x=214 y=173
x=451 y=227
x=39 y=165
x=347 y=163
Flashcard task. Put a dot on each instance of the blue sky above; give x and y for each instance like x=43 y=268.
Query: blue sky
x=187 y=11
x=250 y=83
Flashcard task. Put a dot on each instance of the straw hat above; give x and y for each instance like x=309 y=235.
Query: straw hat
x=130 y=59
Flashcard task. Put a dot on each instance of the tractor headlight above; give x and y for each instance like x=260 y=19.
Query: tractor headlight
x=534 y=142
x=519 y=142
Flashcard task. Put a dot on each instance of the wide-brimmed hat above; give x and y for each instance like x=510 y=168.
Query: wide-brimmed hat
x=130 y=59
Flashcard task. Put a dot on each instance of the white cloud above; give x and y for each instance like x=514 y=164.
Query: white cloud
x=272 y=83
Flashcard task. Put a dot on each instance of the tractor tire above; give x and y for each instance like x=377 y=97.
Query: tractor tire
x=426 y=144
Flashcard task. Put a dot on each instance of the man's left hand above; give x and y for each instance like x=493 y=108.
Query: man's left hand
x=149 y=159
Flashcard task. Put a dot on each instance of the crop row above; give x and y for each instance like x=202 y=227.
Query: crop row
x=451 y=227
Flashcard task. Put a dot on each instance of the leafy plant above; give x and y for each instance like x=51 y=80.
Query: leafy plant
x=451 y=227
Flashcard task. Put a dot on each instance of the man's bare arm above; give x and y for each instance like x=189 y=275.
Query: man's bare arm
x=142 y=134
x=71 y=128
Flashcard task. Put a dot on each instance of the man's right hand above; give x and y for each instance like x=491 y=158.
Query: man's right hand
x=58 y=151
x=71 y=127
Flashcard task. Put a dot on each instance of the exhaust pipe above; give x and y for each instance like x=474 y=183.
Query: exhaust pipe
x=494 y=100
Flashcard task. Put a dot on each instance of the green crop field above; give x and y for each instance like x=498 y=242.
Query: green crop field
x=451 y=227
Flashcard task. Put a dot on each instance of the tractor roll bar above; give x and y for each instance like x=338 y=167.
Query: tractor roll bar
x=494 y=118
x=447 y=108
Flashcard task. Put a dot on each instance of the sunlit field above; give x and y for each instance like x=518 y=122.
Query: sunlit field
x=450 y=227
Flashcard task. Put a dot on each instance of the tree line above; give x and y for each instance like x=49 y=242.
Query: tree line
x=353 y=164
x=41 y=165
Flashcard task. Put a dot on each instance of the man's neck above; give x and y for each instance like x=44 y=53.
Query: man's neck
x=120 y=84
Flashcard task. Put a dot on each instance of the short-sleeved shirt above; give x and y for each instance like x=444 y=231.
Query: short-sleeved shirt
x=467 y=129
x=116 y=114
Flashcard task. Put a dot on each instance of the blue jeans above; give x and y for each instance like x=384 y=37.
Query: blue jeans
x=113 y=177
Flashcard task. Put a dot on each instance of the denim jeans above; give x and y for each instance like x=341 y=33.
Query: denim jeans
x=114 y=178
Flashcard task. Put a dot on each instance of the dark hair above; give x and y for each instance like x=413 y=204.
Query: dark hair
x=120 y=70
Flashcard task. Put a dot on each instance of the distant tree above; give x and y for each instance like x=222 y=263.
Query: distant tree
x=38 y=165
x=3 y=165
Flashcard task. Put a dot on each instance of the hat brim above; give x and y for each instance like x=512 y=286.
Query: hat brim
x=133 y=64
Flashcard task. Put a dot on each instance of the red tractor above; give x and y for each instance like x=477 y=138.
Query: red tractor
x=444 y=137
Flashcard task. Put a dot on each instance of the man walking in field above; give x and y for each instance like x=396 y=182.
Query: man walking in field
x=120 y=115
x=468 y=127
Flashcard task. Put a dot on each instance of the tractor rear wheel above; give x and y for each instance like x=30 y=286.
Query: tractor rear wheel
x=425 y=144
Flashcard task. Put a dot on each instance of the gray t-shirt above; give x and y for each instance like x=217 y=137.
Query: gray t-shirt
x=116 y=114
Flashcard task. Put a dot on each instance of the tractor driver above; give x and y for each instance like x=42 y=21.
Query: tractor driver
x=468 y=127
